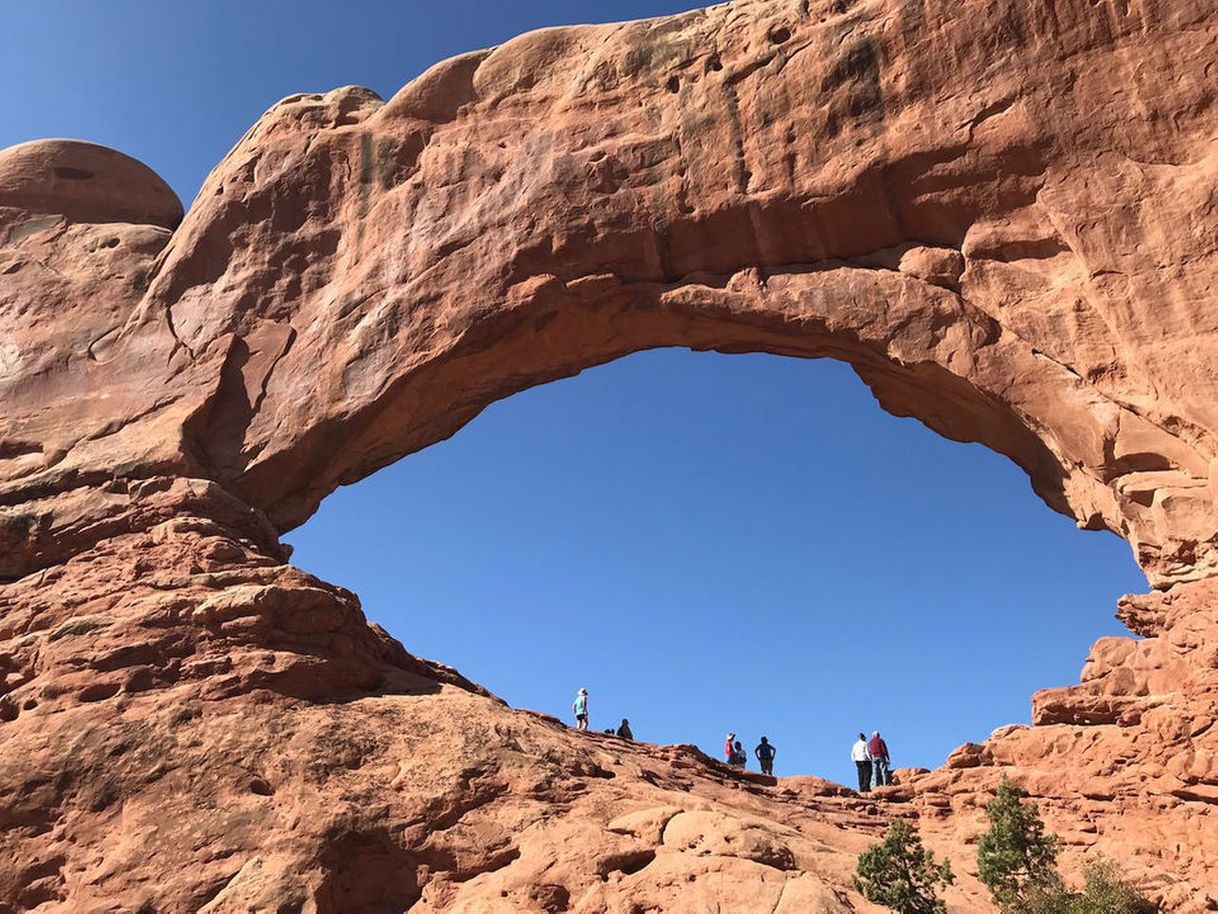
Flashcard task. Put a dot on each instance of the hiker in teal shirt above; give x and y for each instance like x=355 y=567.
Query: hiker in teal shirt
x=580 y=706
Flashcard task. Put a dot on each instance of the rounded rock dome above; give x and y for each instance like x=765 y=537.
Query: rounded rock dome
x=85 y=182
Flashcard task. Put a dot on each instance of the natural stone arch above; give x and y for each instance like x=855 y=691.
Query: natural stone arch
x=357 y=279
x=963 y=210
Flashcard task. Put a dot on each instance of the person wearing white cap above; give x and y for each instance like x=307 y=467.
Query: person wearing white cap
x=580 y=707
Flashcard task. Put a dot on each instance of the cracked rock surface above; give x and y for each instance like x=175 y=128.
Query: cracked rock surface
x=1001 y=215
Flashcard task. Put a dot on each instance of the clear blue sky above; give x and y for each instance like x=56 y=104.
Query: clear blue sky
x=706 y=542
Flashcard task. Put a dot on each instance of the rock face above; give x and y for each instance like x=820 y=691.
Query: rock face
x=1002 y=216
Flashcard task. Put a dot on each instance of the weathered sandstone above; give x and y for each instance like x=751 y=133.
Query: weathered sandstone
x=1001 y=215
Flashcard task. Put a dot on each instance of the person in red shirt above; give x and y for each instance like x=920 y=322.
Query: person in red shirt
x=878 y=750
x=729 y=751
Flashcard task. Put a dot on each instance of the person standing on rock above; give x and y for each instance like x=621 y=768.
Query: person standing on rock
x=739 y=759
x=862 y=762
x=580 y=707
x=729 y=751
x=624 y=730
x=765 y=753
x=878 y=750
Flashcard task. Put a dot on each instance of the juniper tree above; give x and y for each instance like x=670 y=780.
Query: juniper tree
x=902 y=874
x=1107 y=891
x=1016 y=859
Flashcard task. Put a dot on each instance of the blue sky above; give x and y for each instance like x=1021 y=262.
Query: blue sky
x=706 y=542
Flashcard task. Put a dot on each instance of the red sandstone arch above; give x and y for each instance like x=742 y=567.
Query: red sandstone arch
x=356 y=280
x=1001 y=215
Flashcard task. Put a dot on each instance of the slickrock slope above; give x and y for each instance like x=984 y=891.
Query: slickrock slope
x=1002 y=215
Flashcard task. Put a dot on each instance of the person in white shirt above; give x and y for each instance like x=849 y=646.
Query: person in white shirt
x=862 y=761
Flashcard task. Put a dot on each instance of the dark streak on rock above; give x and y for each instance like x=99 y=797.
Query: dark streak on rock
x=857 y=73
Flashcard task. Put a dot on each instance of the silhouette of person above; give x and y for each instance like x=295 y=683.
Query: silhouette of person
x=765 y=753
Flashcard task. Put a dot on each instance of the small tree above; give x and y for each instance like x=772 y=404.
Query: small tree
x=1016 y=860
x=1106 y=891
x=902 y=874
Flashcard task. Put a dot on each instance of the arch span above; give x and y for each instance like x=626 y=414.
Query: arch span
x=358 y=278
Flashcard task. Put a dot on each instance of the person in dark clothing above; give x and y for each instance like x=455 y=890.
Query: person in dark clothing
x=624 y=730
x=765 y=753
x=862 y=762
x=878 y=750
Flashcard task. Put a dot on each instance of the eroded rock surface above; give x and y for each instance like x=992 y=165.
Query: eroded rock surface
x=1001 y=215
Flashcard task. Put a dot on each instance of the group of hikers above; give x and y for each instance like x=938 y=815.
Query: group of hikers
x=870 y=756
x=733 y=753
x=580 y=707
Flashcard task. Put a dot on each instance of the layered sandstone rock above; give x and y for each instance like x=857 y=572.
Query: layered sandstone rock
x=1001 y=215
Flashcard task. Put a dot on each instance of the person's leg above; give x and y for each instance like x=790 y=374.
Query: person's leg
x=877 y=776
x=884 y=773
x=861 y=775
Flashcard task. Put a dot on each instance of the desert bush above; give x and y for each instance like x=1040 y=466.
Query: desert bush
x=902 y=874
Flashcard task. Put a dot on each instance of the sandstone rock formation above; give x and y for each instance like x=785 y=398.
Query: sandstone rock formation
x=1001 y=215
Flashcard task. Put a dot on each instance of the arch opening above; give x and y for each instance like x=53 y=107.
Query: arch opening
x=702 y=540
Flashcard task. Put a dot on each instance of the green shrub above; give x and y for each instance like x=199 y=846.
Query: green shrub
x=1107 y=891
x=902 y=874
x=1016 y=860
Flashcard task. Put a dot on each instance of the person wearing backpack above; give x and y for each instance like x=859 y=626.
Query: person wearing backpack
x=580 y=707
x=624 y=730
x=765 y=753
